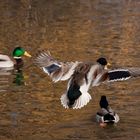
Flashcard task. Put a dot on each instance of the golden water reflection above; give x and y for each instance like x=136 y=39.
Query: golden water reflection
x=71 y=30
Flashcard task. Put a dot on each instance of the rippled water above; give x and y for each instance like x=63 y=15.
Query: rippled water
x=72 y=30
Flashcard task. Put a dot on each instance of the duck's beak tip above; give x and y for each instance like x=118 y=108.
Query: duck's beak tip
x=27 y=54
x=108 y=64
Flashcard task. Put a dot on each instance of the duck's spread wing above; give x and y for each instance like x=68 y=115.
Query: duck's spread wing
x=122 y=74
x=116 y=75
x=55 y=69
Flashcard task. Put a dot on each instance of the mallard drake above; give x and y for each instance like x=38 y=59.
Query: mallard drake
x=82 y=76
x=7 y=63
x=106 y=114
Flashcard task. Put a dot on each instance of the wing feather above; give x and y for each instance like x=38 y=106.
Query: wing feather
x=55 y=69
x=123 y=74
x=116 y=75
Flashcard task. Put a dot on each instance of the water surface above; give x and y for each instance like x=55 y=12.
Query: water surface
x=71 y=30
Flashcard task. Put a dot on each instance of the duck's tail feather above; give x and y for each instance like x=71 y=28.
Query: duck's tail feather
x=82 y=101
x=64 y=100
x=78 y=104
x=117 y=118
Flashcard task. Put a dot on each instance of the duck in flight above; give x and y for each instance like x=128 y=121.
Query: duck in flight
x=81 y=76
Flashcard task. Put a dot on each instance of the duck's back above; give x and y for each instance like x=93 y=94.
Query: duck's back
x=81 y=72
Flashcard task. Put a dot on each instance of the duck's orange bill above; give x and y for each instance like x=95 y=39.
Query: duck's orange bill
x=27 y=54
x=108 y=64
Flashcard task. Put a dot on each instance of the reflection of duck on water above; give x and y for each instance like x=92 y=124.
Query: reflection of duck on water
x=19 y=78
x=106 y=114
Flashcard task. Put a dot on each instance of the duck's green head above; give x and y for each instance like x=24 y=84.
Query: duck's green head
x=19 y=51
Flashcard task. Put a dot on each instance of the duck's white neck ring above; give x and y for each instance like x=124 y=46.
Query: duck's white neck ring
x=15 y=57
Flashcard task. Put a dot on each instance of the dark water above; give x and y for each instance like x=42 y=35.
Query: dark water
x=72 y=30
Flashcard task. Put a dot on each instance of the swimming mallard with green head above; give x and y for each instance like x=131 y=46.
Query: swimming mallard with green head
x=7 y=63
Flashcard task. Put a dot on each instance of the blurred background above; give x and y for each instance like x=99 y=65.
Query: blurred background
x=72 y=30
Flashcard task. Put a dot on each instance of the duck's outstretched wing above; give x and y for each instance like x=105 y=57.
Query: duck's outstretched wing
x=55 y=69
x=122 y=74
x=116 y=75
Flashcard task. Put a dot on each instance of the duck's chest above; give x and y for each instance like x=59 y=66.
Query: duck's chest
x=91 y=74
x=19 y=63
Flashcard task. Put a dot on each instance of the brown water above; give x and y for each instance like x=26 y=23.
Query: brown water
x=72 y=30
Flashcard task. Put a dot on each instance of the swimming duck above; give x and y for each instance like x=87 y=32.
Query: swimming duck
x=82 y=76
x=106 y=114
x=6 y=63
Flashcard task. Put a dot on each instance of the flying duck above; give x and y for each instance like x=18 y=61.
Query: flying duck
x=6 y=63
x=106 y=114
x=81 y=76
